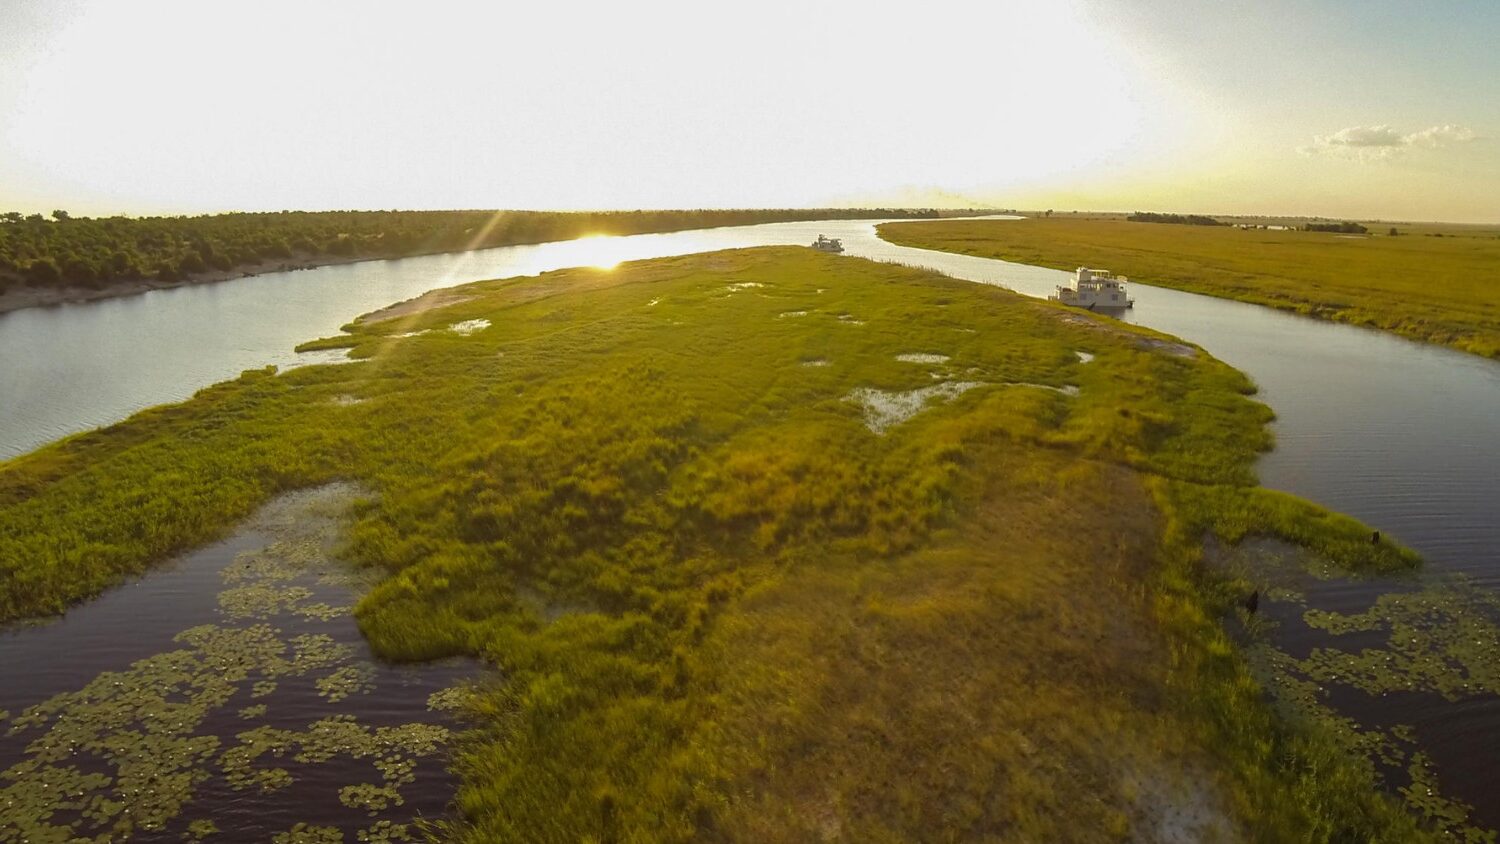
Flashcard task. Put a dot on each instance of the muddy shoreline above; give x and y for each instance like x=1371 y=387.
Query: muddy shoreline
x=20 y=296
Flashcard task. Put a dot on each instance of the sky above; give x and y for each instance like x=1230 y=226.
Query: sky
x=1374 y=109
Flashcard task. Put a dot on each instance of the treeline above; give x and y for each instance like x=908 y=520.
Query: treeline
x=1343 y=228
x=67 y=251
x=1184 y=219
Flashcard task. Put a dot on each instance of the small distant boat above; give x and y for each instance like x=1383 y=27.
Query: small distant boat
x=828 y=244
x=1095 y=290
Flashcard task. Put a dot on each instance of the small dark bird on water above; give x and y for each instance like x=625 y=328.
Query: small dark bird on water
x=1375 y=538
x=1252 y=603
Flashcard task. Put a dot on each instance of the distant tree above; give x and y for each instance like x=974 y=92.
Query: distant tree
x=192 y=262
x=1184 y=219
x=35 y=218
x=122 y=265
x=1345 y=227
x=78 y=272
x=12 y=217
x=43 y=272
x=1393 y=231
x=1049 y=212
x=60 y=215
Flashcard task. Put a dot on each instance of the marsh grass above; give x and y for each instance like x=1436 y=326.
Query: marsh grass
x=1435 y=289
x=725 y=609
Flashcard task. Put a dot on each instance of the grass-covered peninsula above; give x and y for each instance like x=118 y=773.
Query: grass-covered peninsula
x=769 y=545
x=1429 y=283
x=66 y=258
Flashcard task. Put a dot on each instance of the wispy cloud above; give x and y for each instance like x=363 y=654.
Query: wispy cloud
x=1368 y=143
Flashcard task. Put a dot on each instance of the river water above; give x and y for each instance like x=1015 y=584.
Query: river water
x=1402 y=435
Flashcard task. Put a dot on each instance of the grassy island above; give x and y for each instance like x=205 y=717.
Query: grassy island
x=769 y=545
x=1434 y=284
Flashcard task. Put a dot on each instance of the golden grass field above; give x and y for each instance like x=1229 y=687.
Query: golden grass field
x=1438 y=289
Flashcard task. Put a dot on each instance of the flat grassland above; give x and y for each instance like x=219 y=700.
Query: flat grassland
x=1435 y=284
x=769 y=545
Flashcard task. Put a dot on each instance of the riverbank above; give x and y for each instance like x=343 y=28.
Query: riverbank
x=737 y=530
x=20 y=296
x=70 y=260
x=1429 y=283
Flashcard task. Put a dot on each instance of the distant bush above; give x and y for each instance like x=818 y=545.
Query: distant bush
x=1343 y=228
x=1182 y=219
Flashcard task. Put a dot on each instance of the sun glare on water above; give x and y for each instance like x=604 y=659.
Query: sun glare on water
x=600 y=251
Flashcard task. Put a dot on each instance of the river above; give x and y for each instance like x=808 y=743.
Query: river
x=1402 y=435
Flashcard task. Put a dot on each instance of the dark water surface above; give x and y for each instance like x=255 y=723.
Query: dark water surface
x=1402 y=435
x=221 y=644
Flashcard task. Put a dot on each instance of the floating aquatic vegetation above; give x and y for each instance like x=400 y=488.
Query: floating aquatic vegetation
x=1449 y=815
x=653 y=303
x=349 y=680
x=305 y=834
x=314 y=651
x=385 y=831
x=345 y=400
x=848 y=319
x=348 y=577
x=1084 y=357
x=373 y=798
x=784 y=314
x=261 y=600
x=452 y=699
x=127 y=751
x=321 y=611
x=469 y=326
x=1441 y=639
x=921 y=357
x=742 y=285
x=885 y=409
x=816 y=362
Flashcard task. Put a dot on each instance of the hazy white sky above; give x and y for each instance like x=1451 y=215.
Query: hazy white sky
x=1373 y=109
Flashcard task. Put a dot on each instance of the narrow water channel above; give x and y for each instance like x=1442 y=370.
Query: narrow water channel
x=1401 y=435
x=227 y=694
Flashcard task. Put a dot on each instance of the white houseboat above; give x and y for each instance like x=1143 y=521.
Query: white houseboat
x=828 y=244
x=1095 y=290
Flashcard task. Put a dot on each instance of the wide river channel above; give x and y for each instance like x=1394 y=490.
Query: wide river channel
x=1402 y=435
